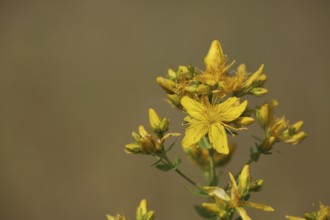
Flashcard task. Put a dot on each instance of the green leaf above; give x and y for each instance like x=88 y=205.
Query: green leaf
x=202 y=212
x=197 y=192
x=157 y=162
x=164 y=167
x=176 y=162
x=171 y=146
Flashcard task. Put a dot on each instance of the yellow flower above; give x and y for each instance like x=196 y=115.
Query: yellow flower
x=322 y=214
x=278 y=129
x=142 y=212
x=212 y=120
x=215 y=65
x=158 y=125
x=117 y=217
x=236 y=200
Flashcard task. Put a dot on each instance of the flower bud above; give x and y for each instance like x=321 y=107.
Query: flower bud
x=203 y=89
x=268 y=143
x=133 y=148
x=148 y=144
x=164 y=125
x=166 y=84
x=256 y=185
x=258 y=91
x=171 y=74
x=254 y=77
x=154 y=120
x=244 y=121
x=174 y=100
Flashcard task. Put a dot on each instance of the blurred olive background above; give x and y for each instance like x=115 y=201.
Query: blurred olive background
x=76 y=77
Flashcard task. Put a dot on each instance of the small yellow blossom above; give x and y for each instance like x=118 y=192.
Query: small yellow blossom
x=322 y=214
x=142 y=213
x=236 y=200
x=212 y=120
x=147 y=143
x=215 y=65
x=158 y=125
x=117 y=217
x=277 y=129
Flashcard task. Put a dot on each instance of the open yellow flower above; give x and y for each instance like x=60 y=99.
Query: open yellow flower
x=236 y=200
x=212 y=120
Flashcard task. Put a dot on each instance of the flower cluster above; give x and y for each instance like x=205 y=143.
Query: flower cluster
x=147 y=143
x=322 y=214
x=217 y=79
x=277 y=129
x=214 y=103
x=225 y=205
x=142 y=213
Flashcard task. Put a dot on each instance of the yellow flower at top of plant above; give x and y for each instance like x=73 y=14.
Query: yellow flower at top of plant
x=211 y=119
x=215 y=65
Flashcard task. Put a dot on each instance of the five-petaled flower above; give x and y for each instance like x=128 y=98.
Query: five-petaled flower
x=212 y=120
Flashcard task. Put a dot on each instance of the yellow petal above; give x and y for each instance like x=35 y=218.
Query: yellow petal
x=254 y=77
x=142 y=131
x=211 y=207
x=170 y=135
x=166 y=84
x=195 y=109
x=229 y=110
x=233 y=182
x=142 y=209
x=214 y=57
x=244 y=179
x=241 y=211
x=296 y=126
x=218 y=138
x=244 y=121
x=194 y=133
x=296 y=138
x=154 y=119
x=259 y=206
x=262 y=115
x=293 y=218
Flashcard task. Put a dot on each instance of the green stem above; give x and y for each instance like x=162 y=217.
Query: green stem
x=213 y=177
x=184 y=176
x=250 y=161
x=188 y=179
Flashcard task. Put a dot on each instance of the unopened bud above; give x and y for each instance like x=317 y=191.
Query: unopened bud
x=148 y=144
x=203 y=89
x=166 y=84
x=136 y=136
x=133 y=148
x=191 y=89
x=244 y=121
x=164 y=125
x=256 y=186
x=171 y=74
x=259 y=91
x=261 y=80
x=174 y=100
x=268 y=143
x=154 y=119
